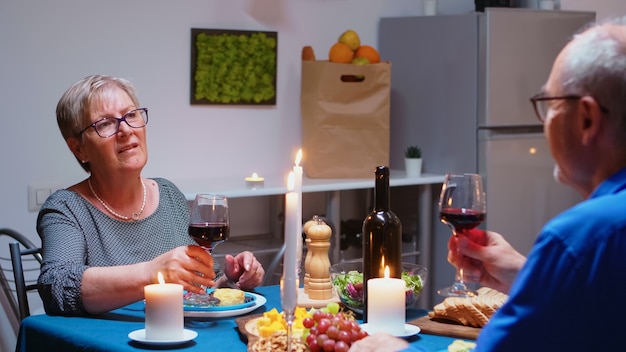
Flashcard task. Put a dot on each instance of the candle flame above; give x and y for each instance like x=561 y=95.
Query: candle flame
x=290 y=181
x=299 y=157
x=160 y=278
x=387 y=272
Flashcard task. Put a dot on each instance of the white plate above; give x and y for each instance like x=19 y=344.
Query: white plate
x=409 y=330
x=258 y=302
x=140 y=336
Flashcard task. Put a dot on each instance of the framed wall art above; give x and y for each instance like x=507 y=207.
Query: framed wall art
x=233 y=67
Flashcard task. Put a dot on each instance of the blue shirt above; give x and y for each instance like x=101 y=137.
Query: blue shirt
x=571 y=293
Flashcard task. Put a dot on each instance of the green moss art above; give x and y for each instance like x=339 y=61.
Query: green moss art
x=233 y=67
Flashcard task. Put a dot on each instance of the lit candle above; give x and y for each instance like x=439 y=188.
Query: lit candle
x=254 y=181
x=164 y=311
x=297 y=172
x=290 y=276
x=386 y=305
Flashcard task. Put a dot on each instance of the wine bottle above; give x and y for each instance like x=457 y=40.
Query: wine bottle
x=382 y=237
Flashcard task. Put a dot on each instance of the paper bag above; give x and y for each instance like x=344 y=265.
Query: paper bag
x=345 y=118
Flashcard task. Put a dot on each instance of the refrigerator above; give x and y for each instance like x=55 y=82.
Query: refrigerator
x=460 y=90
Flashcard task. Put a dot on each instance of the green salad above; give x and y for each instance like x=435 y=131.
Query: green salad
x=350 y=287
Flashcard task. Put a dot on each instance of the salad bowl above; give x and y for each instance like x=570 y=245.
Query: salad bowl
x=347 y=280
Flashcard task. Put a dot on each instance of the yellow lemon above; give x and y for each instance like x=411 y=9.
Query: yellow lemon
x=351 y=39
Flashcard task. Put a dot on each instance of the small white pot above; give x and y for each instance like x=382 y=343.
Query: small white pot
x=413 y=167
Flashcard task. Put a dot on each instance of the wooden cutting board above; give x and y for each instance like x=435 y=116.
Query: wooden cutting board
x=434 y=327
x=247 y=328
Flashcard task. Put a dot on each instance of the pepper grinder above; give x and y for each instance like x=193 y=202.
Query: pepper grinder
x=317 y=283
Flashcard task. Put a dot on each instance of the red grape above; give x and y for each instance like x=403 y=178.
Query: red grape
x=344 y=336
x=332 y=332
x=323 y=325
x=308 y=322
x=329 y=345
x=341 y=346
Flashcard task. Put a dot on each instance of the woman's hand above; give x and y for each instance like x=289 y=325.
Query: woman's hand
x=244 y=270
x=190 y=266
x=486 y=257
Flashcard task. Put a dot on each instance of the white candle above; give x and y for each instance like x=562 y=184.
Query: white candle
x=164 y=311
x=386 y=305
x=297 y=187
x=254 y=181
x=290 y=276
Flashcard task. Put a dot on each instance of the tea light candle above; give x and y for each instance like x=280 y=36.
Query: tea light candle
x=164 y=311
x=386 y=305
x=254 y=180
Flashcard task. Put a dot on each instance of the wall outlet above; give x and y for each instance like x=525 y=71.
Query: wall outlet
x=38 y=193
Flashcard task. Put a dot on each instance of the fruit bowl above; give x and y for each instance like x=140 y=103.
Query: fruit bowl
x=347 y=279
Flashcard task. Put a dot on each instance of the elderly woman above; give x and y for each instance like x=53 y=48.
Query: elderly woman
x=108 y=236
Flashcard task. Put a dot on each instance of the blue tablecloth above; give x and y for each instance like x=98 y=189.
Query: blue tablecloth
x=109 y=332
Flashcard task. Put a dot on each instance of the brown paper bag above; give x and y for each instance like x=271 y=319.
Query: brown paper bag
x=345 y=121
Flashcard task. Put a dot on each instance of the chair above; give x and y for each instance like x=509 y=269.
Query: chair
x=21 y=286
x=25 y=256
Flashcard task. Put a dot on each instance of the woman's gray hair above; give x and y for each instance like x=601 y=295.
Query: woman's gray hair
x=596 y=65
x=74 y=107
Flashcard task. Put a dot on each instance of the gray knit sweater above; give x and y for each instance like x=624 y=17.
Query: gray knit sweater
x=76 y=235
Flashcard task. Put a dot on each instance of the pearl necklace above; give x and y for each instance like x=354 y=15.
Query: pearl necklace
x=135 y=216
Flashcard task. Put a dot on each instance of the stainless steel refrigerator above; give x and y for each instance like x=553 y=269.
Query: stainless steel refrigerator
x=460 y=90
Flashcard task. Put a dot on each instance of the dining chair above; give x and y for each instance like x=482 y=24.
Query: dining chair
x=22 y=287
x=15 y=284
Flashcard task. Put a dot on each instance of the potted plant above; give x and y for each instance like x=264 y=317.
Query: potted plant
x=413 y=161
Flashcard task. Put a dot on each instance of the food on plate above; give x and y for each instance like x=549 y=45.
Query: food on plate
x=461 y=346
x=229 y=296
x=274 y=320
x=328 y=329
x=475 y=311
x=278 y=342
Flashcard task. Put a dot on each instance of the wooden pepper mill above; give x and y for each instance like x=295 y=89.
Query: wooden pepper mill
x=317 y=283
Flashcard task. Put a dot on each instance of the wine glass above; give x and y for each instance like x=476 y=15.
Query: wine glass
x=462 y=207
x=209 y=223
x=209 y=226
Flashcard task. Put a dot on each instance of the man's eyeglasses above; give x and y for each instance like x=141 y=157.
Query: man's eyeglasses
x=541 y=104
x=109 y=126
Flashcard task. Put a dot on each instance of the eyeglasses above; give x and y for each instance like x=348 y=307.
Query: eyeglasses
x=541 y=106
x=109 y=126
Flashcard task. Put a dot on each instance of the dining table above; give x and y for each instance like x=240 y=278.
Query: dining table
x=110 y=331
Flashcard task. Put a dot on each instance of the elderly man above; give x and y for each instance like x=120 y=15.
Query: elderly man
x=568 y=294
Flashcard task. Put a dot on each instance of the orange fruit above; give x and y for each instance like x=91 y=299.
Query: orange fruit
x=369 y=52
x=340 y=53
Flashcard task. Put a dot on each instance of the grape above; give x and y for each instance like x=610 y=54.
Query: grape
x=331 y=332
x=308 y=323
x=328 y=345
x=333 y=307
x=323 y=325
x=321 y=338
x=344 y=336
x=341 y=346
x=318 y=315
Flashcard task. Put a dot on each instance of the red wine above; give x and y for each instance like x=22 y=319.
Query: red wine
x=209 y=235
x=461 y=219
x=382 y=237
